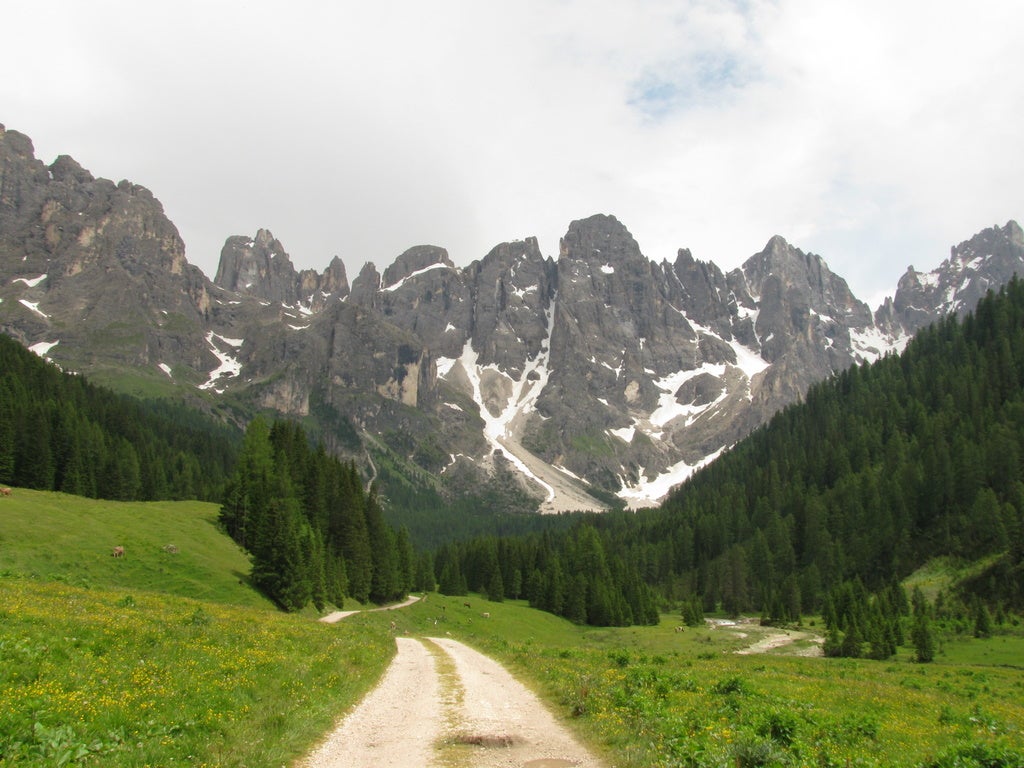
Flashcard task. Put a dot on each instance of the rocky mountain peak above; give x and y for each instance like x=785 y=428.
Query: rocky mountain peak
x=258 y=266
x=600 y=239
x=985 y=261
x=66 y=169
x=17 y=143
x=365 y=286
x=335 y=280
x=416 y=259
x=804 y=278
x=261 y=267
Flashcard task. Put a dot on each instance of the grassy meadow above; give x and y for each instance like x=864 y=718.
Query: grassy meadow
x=170 y=546
x=114 y=662
x=161 y=658
x=651 y=696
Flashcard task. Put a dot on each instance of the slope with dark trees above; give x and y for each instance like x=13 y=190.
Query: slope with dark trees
x=881 y=469
x=313 y=533
x=59 y=432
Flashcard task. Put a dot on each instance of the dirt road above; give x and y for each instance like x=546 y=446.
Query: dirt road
x=441 y=703
x=332 y=618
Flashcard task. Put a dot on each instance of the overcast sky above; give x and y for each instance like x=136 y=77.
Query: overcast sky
x=876 y=133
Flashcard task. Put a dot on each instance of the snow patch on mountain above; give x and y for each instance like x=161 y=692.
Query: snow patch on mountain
x=412 y=275
x=31 y=282
x=229 y=366
x=501 y=418
x=43 y=348
x=34 y=306
x=649 y=492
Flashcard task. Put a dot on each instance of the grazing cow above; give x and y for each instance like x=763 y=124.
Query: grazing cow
x=171 y=549
x=5 y=491
x=394 y=626
x=486 y=615
x=467 y=605
x=680 y=629
x=118 y=552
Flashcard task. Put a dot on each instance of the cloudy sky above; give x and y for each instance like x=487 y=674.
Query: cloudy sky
x=876 y=133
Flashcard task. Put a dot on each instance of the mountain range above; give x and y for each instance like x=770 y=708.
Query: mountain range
x=593 y=379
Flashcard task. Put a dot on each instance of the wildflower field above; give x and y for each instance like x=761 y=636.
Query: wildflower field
x=649 y=696
x=112 y=662
x=133 y=678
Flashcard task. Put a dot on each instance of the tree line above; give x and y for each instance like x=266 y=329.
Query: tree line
x=313 y=533
x=58 y=432
x=571 y=575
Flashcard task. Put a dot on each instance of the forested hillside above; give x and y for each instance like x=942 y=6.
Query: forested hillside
x=879 y=470
x=313 y=533
x=59 y=432
x=882 y=468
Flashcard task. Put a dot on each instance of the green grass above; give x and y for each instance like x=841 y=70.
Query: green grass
x=124 y=677
x=66 y=538
x=1004 y=649
x=942 y=573
x=170 y=659
x=649 y=696
x=158 y=658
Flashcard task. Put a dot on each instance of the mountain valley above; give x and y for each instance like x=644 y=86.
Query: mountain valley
x=599 y=378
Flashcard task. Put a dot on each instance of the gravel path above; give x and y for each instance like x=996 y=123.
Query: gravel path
x=333 y=618
x=443 y=704
x=397 y=723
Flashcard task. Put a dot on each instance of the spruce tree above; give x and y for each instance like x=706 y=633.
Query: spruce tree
x=7 y=433
x=982 y=620
x=924 y=639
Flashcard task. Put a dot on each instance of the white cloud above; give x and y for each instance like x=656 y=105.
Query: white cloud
x=875 y=134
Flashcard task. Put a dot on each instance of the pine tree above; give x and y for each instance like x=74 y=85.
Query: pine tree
x=982 y=620
x=852 y=642
x=426 y=580
x=496 y=586
x=7 y=433
x=575 y=609
x=924 y=639
x=451 y=580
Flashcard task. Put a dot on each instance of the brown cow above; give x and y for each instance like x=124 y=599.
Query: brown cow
x=5 y=491
x=118 y=552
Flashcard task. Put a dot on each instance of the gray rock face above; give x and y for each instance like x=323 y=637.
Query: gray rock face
x=93 y=270
x=985 y=262
x=261 y=267
x=600 y=369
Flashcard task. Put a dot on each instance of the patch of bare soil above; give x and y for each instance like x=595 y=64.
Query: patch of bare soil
x=770 y=638
x=441 y=704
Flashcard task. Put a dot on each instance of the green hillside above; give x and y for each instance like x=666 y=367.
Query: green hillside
x=165 y=655
x=170 y=547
